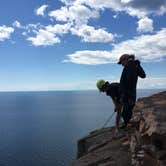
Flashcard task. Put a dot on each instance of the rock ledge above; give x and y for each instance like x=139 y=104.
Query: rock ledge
x=142 y=143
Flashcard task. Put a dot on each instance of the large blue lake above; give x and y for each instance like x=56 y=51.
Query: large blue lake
x=42 y=128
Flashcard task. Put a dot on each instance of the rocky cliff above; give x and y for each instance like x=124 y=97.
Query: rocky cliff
x=142 y=143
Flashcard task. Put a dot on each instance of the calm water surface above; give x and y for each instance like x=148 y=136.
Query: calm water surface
x=42 y=128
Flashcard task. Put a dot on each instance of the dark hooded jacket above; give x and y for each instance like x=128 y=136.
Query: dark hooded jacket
x=129 y=79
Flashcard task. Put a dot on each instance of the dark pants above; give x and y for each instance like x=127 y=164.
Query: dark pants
x=127 y=112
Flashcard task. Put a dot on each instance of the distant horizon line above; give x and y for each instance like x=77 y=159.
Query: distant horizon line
x=71 y=90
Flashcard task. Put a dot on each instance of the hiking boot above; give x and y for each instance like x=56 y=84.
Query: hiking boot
x=123 y=126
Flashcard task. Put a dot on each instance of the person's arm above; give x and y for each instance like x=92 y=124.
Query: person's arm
x=140 y=70
x=118 y=111
x=116 y=105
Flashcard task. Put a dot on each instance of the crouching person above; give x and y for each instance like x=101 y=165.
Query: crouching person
x=112 y=90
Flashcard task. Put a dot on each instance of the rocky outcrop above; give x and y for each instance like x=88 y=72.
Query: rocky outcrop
x=142 y=143
x=148 y=141
x=103 y=148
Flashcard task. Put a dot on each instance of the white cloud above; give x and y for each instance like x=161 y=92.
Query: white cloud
x=67 y=2
x=100 y=4
x=41 y=10
x=145 y=25
x=44 y=38
x=58 y=28
x=87 y=33
x=132 y=7
x=91 y=57
x=48 y=35
x=76 y=14
x=24 y=34
x=33 y=27
x=154 y=7
x=152 y=83
x=146 y=48
x=79 y=12
x=5 y=32
x=90 y=34
x=115 y=16
x=126 y=1
x=60 y=14
x=17 y=24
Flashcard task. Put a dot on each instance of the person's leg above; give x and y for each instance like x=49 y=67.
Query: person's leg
x=118 y=116
x=124 y=114
x=127 y=112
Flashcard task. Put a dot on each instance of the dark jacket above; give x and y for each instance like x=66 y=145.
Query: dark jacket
x=128 y=81
x=114 y=92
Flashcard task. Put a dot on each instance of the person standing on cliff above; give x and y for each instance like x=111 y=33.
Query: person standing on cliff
x=128 y=82
x=112 y=90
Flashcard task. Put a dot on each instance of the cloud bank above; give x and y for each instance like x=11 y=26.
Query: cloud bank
x=78 y=13
x=73 y=18
x=152 y=83
x=145 y=47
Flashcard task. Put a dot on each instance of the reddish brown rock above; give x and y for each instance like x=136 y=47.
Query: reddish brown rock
x=149 y=136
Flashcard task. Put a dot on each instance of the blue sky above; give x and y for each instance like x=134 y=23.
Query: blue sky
x=70 y=44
